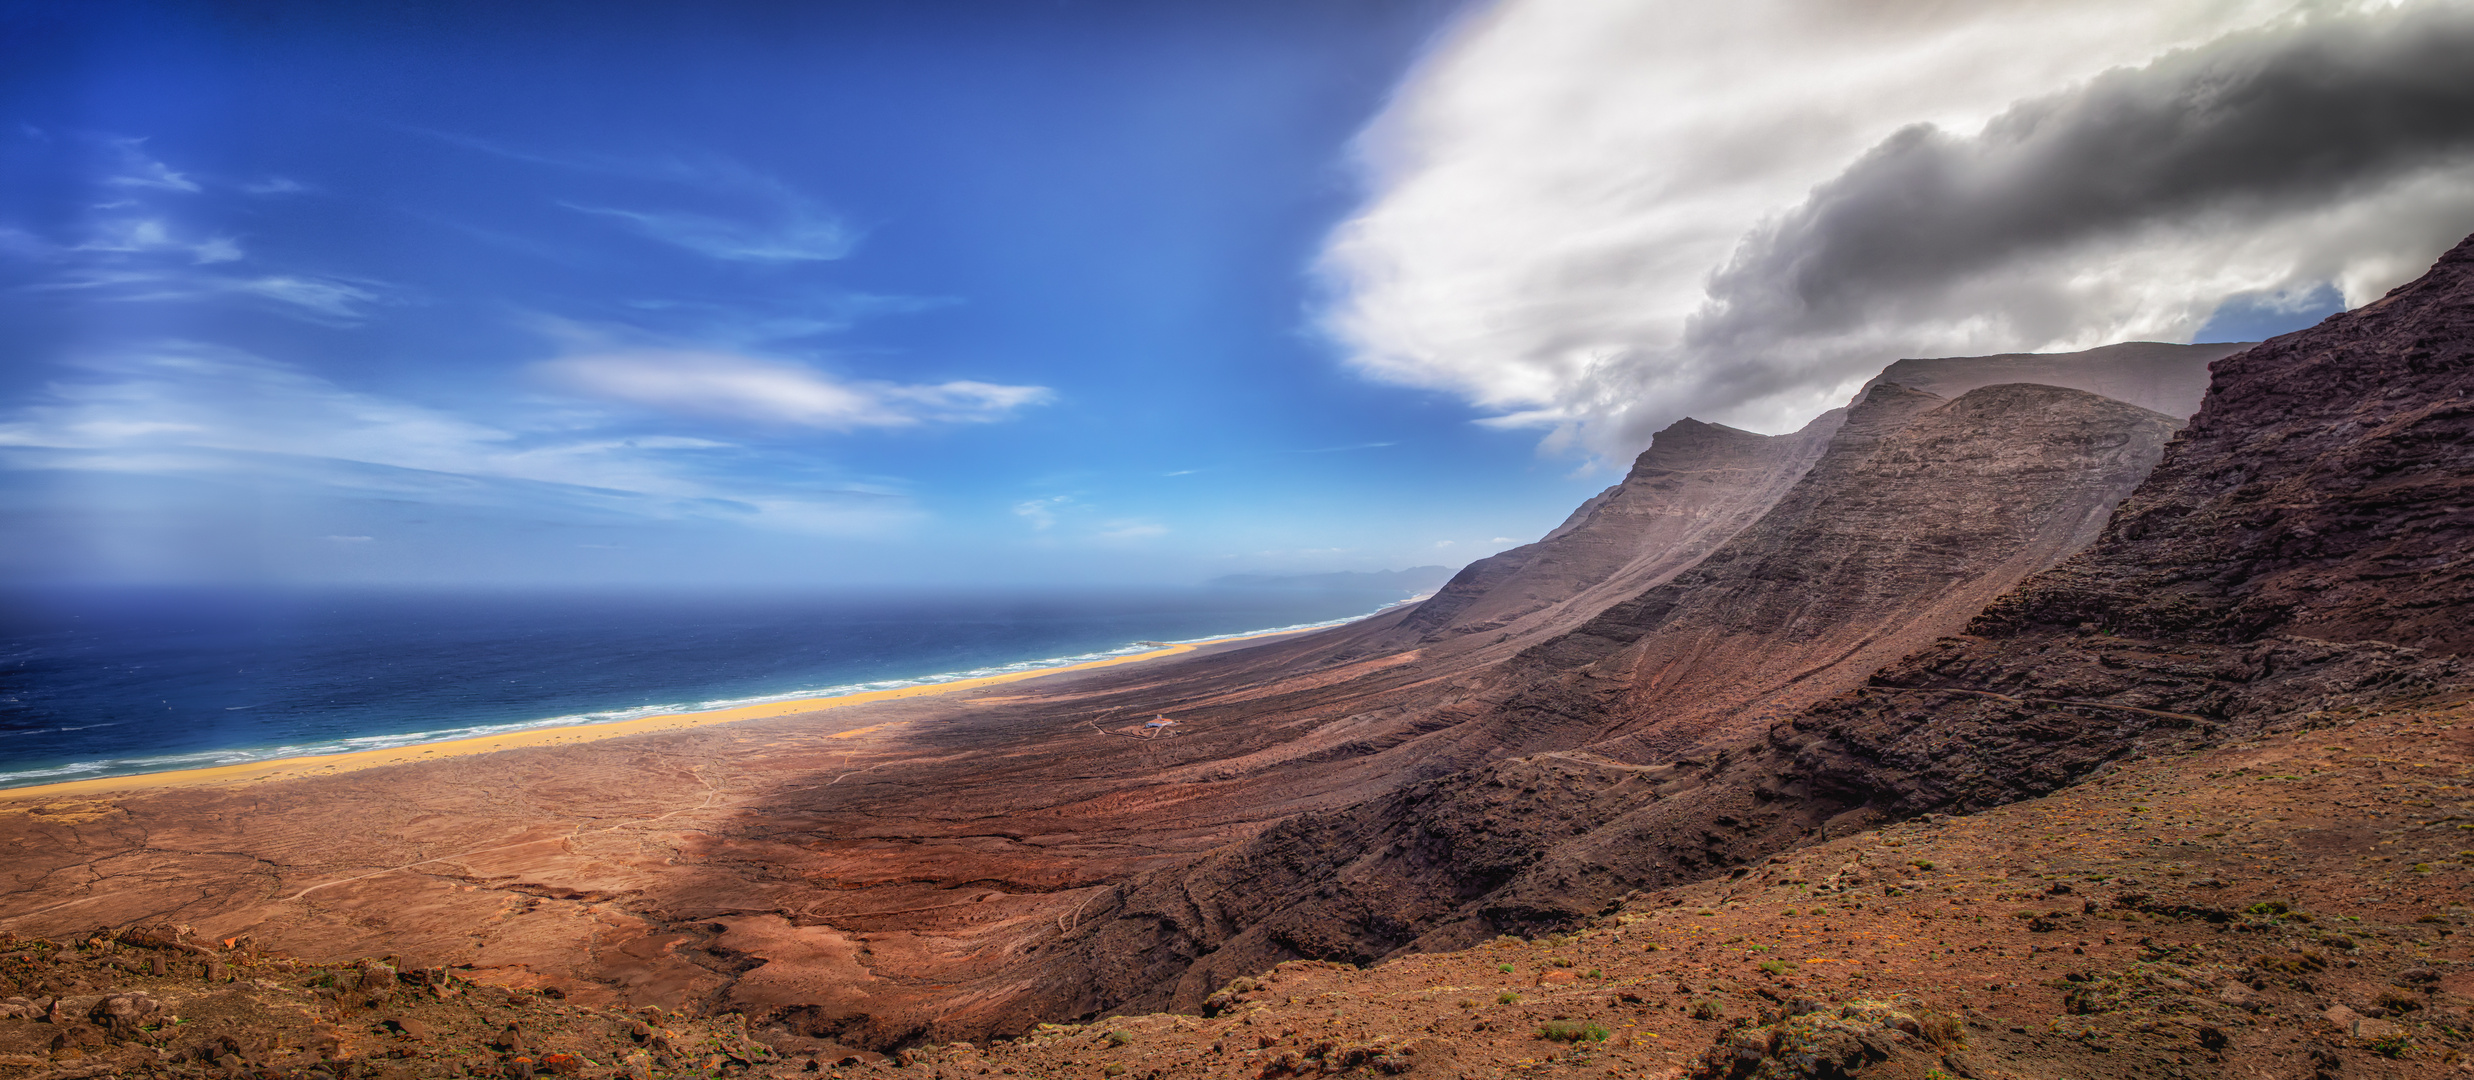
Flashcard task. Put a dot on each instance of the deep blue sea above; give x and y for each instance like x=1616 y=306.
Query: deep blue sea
x=102 y=682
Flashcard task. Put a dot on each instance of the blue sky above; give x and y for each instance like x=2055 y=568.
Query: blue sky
x=894 y=293
x=843 y=293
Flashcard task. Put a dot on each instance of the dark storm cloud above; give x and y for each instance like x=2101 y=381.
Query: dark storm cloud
x=2256 y=124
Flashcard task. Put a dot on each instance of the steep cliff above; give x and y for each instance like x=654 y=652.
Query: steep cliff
x=2298 y=554
x=2154 y=375
x=1921 y=512
x=1918 y=512
x=1695 y=487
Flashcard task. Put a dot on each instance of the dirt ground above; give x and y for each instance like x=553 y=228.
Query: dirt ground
x=2294 y=907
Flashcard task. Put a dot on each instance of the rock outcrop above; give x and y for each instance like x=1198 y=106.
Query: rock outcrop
x=2300 y=549
x=1694 y=488
x=1918 y=512
x=2154 y=375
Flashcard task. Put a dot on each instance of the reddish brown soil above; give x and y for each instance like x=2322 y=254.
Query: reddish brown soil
x=2305 y=899
x=2288 y=907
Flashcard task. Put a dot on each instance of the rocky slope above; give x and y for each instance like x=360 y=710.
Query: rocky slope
x=1699 y=484
x=1921 y=512
x=2289 y=907
x=2320 y=491
x=2283 y=907
x=2154 y=375
x=1918 y=512
x=1695 y=487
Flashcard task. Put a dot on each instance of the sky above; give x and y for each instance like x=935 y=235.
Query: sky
x=1073 y=293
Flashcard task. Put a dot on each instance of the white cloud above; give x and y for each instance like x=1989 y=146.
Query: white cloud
x=139 y=171
x=326 y=296
x=191 y=409
x=1559 y=194
x=275 y=185
x=735 y=386
x=1126 y=531
x=332 y=301
x=1042 y=513
x=140 y=236
x=1503 y=540
x=799 y=235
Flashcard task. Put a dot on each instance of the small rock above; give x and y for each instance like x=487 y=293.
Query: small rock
x=1557 y=978
x=124 y=1015
x=2342 y=1018
x=2378 y=1029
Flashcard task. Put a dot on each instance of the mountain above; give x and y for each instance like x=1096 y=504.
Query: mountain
x=1699 y=484
x=2154 y=375
x=1695 y=486
x=2297 y=558
x=1918 y=511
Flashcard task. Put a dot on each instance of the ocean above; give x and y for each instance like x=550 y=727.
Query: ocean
x=107 y=682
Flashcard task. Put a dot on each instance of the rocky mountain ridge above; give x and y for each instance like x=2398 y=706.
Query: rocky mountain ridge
x=2325 y=469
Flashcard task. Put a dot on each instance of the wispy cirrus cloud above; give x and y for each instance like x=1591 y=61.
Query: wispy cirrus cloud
x=325 y=300
x=183 y=408
x=1129 y=530
x=154 y=236
x=743 y=214
x=142 y=247
x=794 y=234
x=1042 y=512
x=137 y=170
x=736 y=386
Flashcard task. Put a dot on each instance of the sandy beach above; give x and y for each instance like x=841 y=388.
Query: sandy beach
x=329 y=764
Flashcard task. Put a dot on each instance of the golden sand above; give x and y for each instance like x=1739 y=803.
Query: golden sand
x=328 y=764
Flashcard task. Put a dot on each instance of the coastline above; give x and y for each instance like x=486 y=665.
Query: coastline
x=573 y=734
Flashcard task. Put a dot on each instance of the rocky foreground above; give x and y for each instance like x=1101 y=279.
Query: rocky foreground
x=2297 y=905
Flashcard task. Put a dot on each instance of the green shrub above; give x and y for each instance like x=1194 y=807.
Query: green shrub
x=1705 y=1009
x=1571 y=1031
x=1507 y=998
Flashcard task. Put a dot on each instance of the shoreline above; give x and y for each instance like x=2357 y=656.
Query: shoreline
x=573 y=734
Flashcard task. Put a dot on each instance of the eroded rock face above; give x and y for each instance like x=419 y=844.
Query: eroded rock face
x=1920 y=511
x=2153 y=375
x=2326 y=490
x=2299 y=549
x=1694 y=488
